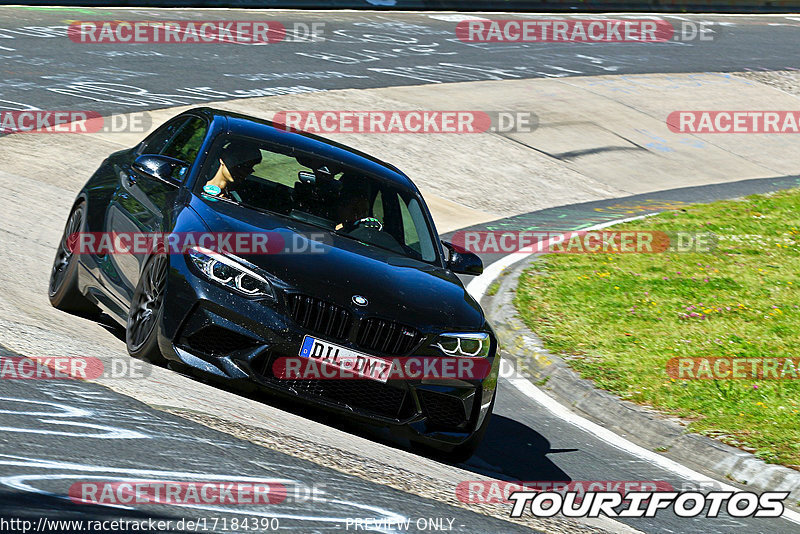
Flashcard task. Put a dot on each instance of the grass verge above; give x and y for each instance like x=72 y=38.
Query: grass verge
x=618 y=318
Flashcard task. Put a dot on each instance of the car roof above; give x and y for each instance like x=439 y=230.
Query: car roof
x=249 y=126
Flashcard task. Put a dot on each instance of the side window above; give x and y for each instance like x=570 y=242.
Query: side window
x=278 y=168
x=413 y=228
x=158 y=139
x=410 y=236
x=422 y=242
x=185 y=144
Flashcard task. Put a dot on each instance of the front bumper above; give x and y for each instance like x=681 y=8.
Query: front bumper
x=237 y=339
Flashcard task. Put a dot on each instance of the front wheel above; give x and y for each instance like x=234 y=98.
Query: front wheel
x=63 y=288
x=147 y=308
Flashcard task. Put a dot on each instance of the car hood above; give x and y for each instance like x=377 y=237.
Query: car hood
x=397 y=288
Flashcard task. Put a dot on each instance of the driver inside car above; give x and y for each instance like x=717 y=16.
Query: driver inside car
x=236 y=162
x=354 y=209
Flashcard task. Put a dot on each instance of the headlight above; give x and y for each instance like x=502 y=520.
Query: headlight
x=468 y=345
x=228 y=272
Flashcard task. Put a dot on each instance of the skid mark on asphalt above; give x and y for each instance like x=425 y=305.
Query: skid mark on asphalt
x=334 y=511
x=155 y=444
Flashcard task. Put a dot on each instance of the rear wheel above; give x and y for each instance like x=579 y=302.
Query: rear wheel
x=63 y=289
x=147 y=308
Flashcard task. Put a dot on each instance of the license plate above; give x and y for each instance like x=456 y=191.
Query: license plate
x=354 y=363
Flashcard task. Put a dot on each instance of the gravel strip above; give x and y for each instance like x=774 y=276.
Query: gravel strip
x=787 y=81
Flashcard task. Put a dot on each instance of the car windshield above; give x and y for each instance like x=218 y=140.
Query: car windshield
x=317 y=191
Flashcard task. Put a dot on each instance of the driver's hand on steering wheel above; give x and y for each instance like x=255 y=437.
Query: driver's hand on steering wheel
x=366 y=222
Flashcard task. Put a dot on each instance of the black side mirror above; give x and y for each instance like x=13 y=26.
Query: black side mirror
x=162 y=168
x=462 y=261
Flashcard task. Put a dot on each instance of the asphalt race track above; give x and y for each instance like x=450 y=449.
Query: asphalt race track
x=55 y=419
x=74 y=431
x=359 y=51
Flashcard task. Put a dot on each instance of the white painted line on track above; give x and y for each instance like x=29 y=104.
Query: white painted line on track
x=456 y=17
x=480 y=284
x=617 y=441
x=477 y=288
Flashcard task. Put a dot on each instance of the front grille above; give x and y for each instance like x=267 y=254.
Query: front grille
x=362 y=395
x=367 y=396
x=443 y=411
x=319 y=316
x=216 y=340
x=387 y=337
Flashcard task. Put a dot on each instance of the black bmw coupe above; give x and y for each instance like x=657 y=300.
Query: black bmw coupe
x=339 y=253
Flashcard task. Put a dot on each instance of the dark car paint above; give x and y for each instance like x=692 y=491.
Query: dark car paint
x=426 y=296
x=395 y=286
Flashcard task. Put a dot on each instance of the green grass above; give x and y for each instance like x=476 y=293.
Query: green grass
x=618 y=318
x=494 y=287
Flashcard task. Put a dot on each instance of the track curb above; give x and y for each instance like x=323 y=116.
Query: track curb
x=642 y=426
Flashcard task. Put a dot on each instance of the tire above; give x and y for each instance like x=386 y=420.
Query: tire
x=63 y=287
x=146 y=311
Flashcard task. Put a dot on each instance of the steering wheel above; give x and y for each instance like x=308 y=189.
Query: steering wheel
x=368 y=222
